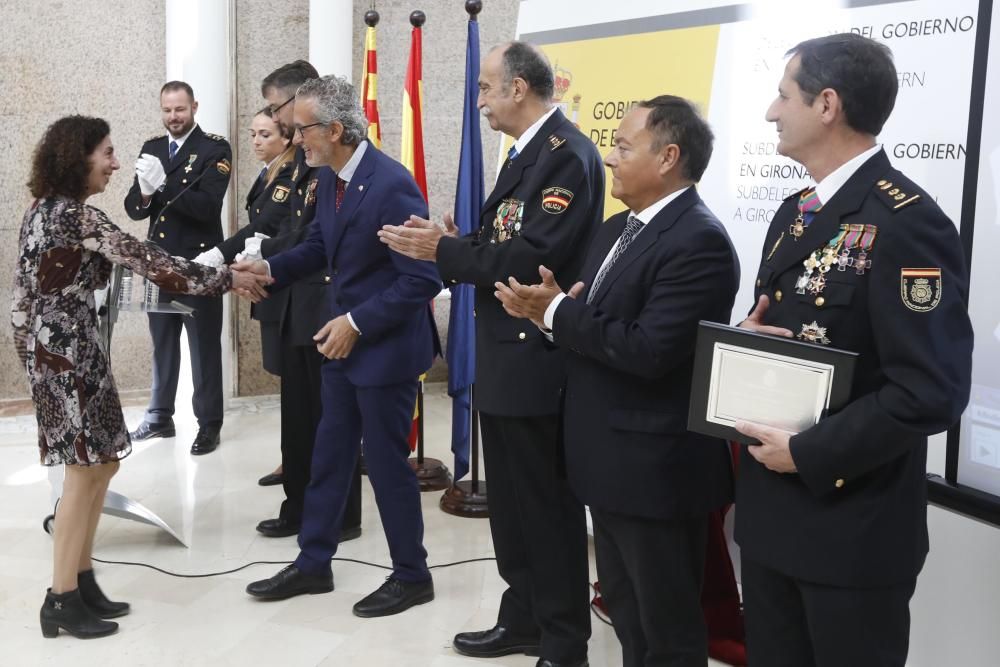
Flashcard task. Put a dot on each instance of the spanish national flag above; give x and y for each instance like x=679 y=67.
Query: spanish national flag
x=412 y=149
x=369 y=89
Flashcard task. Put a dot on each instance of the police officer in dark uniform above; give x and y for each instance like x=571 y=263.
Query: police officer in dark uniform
x=300 y=312
x=832 y=521
x=547 y=203
x=267 y=207
x=181 y=179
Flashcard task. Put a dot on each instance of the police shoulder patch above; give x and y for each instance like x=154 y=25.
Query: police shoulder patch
x=280 y=194
x=555 y=142
x=555 y=200
x=892 y=195
x=223 y=166
x=920 y=289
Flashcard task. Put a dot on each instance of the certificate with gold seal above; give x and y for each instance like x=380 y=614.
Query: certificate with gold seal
x=741 y=375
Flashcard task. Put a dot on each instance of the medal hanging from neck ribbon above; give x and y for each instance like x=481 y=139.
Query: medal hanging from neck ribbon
x=809 y=206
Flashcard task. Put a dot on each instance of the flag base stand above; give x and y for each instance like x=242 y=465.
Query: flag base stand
x=432 y=474
x=466 y=499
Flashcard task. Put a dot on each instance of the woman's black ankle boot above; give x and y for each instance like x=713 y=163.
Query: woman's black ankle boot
x=95 y=598
x=67 y=611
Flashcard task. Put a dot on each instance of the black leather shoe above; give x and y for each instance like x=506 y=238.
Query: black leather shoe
x=148 y=430
x=277 y=527
x=271 y=479
x=290 y=582
x=66 y=611
x=348 y=534
x=545 y=662
x=206 y=441
x=96 y=600
x=495 y=642
x=395 y=596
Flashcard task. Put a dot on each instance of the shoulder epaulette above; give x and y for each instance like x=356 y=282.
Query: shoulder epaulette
x=892 y=196
x=555 y=142
x=214 y=137
x=795 y=195
x=154 y=138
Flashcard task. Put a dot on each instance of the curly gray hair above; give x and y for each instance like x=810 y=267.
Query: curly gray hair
x=336 y=101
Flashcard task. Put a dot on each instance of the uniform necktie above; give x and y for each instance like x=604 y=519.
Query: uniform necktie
x=632 y=229
x=809 y=205
x=341 y=186
x=262 y=174
x=173 y=150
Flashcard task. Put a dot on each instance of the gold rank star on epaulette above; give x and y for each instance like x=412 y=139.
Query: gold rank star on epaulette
x=555 y=141
x=892 y=196
x=215 y=137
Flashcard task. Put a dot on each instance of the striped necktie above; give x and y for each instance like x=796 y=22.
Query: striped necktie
x=632 y=229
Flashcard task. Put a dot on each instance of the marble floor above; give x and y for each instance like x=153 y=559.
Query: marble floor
x=212 y=503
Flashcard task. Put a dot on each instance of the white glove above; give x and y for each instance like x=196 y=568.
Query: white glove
x=211 y=257
x=149 y=168
x=145 y=187
x=251 y=247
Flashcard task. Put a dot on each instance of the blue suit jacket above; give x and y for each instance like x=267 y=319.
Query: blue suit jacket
x=387 y=294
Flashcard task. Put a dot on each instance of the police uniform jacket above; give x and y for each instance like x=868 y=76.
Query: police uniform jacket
x=190 y=223
x=629 y=364
x=302 y=309
x=544 y=209
x=854 y=514
x=267 y=206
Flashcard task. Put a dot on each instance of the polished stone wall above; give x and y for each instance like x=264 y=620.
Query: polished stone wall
x=60 y=58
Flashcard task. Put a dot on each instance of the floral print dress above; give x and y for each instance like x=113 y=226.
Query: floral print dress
x=66 y=252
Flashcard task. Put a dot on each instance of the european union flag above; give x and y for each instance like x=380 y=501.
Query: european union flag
x=469 y=195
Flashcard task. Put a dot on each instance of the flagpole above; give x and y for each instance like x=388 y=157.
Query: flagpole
x=467 y=498
x=432 y=474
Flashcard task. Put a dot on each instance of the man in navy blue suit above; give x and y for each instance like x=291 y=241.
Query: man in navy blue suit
x=378 y=339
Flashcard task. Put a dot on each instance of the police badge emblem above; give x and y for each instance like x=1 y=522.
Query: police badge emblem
x=507 y=223
x=920 y=289
x=280 y=194
x=556 y=200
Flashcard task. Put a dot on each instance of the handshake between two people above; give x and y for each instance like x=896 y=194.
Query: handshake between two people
x=334 y=340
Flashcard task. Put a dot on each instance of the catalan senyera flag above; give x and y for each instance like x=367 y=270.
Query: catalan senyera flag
x=369 y=89
x=411 y=152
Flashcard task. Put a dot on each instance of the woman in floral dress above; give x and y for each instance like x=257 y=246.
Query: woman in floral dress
x=66 y=251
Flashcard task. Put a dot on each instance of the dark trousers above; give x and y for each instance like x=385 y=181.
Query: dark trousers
x=381 y=415
x=796 y=623
x=539 y=535
x=301 y=409
x=651 y=574
x=204 y=335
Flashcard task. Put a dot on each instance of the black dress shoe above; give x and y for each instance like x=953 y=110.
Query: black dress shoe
x=206 y=441
x=495 y=642
x=395 y=596
x=66 y=611
x=148 y=430
x=96 y=600
x=290 y=582
x=348 y=534
x=271 y=479
x=545 y=662
x=279 y=527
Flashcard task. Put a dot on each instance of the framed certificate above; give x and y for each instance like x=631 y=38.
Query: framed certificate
x=771 y=380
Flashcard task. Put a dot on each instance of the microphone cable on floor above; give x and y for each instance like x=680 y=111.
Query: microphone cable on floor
x=275 y=562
